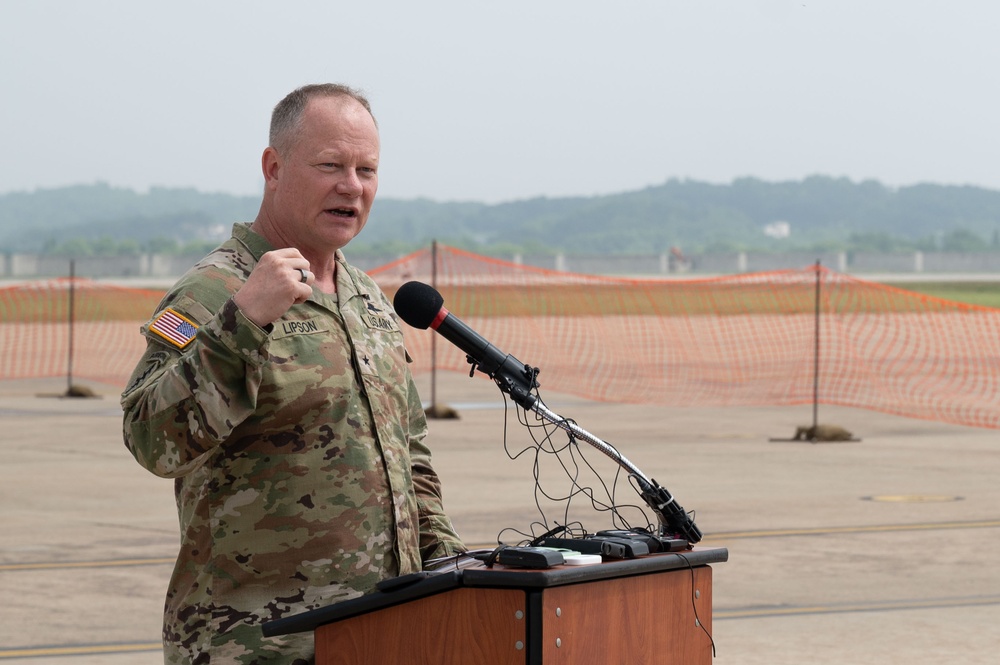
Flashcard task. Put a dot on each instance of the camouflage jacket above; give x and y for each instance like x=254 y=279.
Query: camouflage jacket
x=301 y=474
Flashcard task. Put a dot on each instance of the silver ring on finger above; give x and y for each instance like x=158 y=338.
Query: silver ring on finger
x=304 y=273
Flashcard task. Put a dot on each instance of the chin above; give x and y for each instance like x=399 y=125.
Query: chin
x=338 y=235
x=339 y=240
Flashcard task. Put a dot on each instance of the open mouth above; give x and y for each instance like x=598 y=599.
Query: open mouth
x=346 y=213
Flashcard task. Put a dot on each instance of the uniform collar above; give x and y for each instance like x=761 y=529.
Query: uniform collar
x=254 y=242
x=257 y=245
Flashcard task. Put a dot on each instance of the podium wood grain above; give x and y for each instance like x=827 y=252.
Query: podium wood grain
x=644 y=619
x=459 y=626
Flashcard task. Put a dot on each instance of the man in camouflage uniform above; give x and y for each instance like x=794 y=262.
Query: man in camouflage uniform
x=275 y=391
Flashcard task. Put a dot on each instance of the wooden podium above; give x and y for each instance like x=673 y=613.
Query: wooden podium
x=653 y=609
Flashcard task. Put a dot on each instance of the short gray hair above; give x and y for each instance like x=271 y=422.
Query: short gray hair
x=287 y=115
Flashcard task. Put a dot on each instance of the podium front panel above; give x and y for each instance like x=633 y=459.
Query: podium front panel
x=663 y=618
x=459 y=626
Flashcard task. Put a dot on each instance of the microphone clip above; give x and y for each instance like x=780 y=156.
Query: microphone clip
x=518 y=382
x=513 y=377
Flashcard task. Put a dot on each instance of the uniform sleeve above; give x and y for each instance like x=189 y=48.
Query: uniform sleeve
x=437 y=535
x=182 y=404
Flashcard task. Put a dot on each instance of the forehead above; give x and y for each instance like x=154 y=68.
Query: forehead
x=330 y=123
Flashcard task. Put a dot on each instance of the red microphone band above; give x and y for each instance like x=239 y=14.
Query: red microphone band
x=441 y=315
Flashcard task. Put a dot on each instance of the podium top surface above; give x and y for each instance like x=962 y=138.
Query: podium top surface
x=502 y=576
x=498 y=576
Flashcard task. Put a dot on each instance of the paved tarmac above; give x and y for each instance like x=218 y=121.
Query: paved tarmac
x=878 y=551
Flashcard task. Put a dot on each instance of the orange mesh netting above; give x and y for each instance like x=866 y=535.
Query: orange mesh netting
x=740 y=340
x=35 y=335
x=746 y=340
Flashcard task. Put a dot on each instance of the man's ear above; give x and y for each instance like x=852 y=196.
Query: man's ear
x=270 y=164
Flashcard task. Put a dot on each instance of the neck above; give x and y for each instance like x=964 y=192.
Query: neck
x=322 y=265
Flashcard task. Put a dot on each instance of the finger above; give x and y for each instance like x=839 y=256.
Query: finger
x=286 y=253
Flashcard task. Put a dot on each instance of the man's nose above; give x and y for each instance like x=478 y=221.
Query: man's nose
x=350 y=183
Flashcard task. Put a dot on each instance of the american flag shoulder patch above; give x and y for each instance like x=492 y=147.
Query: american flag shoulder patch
x=174 y=328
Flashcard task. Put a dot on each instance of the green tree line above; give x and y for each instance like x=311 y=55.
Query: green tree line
x=822 y=213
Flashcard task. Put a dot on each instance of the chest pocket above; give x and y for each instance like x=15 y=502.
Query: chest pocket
x=379 y=344
x=305 y=342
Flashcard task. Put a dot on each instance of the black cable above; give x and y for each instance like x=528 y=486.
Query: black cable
x=573 y=476
x=694 y=605
x=573 y=468
x=559 y=528
x=598 y=505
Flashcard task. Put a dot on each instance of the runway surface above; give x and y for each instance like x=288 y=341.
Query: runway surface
x=880 y=551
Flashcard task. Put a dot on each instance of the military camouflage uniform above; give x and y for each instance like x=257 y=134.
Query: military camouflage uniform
x=301 y=473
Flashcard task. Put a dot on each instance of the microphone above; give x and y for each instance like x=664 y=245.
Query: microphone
x=421 y=306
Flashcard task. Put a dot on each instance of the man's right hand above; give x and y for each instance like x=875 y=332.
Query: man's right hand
x=275 y=284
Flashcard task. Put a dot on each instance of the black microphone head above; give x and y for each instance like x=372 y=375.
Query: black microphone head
x=418 y=304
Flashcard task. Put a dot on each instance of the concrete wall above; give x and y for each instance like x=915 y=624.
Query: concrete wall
x=747 y=262
x=961 y=262
x=878 y=262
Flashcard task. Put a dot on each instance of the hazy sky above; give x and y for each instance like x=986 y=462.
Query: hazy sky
x=496 y=101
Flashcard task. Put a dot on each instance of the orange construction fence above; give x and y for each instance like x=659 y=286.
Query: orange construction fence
x=778 y=338
x=102 y=344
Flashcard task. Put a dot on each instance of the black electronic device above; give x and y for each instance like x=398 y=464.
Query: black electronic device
x=622 y=548
x=609 y=547
x=529 y=557
x=673 y=544
x=653 y=542
x=581 y=545
x=612 y=549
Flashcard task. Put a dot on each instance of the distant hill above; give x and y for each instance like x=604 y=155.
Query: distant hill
x=29 y=221
x=820 y=212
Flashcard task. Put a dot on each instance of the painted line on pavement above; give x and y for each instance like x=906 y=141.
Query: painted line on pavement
x=111 y=563
x=78 y=650
x=882 y=606
x=878 y=528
